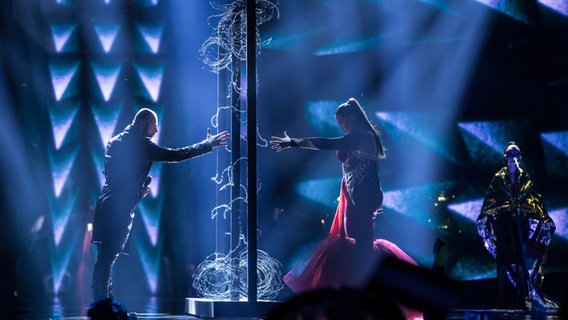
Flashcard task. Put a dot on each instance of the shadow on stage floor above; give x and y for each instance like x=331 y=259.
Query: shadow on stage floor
x=60 y=310
x=475 y=300
x=44 y=310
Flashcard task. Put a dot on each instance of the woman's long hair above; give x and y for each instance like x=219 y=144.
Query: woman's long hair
x=352 y=108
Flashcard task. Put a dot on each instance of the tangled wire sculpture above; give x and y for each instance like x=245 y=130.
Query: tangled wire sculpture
x=214 y=277
x=224 y=276
x=228 y=41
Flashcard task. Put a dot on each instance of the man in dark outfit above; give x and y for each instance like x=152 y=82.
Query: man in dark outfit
x=128 y=158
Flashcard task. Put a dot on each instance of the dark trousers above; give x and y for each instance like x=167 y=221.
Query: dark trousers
x=102 y=282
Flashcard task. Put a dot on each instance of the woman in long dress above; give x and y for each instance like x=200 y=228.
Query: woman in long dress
x=347 y=257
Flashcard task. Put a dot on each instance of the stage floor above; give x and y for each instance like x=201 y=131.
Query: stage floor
x=65 y=309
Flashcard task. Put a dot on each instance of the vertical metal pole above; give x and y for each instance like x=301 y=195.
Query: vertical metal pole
x=222 y=122
x=251 y=147
x=235 y=156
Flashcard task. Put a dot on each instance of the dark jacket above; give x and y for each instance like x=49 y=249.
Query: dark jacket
x=128 y=159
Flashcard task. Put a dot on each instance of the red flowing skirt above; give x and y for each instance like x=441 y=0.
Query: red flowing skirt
x=337 y=261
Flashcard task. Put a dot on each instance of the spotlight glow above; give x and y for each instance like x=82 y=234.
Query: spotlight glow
x=155 y=173
x=60 y=214
x=324 y=191
x=61 y=76
x=509 y=8
x=152 y=35
x=294 y=41
x=347 y=46
x=559 y=140
x=416 y=202
x=490 y=133
x=107 y=35
x=560 y=218
x=469 y=209
x=486 y=140
x=560 y=6
x=320 y=114
x=555 y=151
x=106 y=76
x=106 y=118
x=151 y=77
x=151 y=213
x=403 y=121
x=150 y=258
x=59 y=265
x=61 y=35
x=61 y=120
x=416 y=126
x=61 y=165
x=98 y=160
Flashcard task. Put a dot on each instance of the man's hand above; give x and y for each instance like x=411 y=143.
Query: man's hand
x=281 y=143
x=220 y=139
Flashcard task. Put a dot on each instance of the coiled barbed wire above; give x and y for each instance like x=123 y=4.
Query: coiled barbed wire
x=228 y=40
x=214 y=277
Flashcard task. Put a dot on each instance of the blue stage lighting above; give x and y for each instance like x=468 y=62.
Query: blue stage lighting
x=107 y=35
x=106 y=117
x=155 y=173
x=469 y=209
x=486 y=140
x=60 y=213
x=151 y=214
x=64 y=2
x=61 y=35
x=555 y=151
x=151 y=258
x=61 y=165
x=560 y=6
x=61 y=120
x=320 y=114
x=292 y=42
x=99 y=162
x=60 y=258
x=59 y=266
x=487 y=132
x=513 y=9
x=399 y=200
x=560 y=218
x=470 y=268
x=349 y=45
x=106 y=76
x=150 y=2
x=441 y=5
x=558 y=140
x=417 y=202
x=151 y=77
x=416 y=126
x=152 y=35
x=323 y=191
x=61 y=75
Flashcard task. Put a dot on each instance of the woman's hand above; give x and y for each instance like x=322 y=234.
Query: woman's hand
x=281 y=143
x=220 y=139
